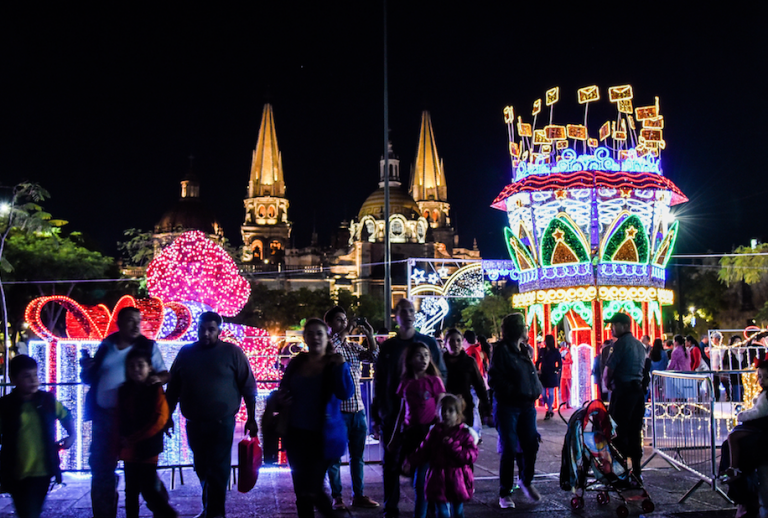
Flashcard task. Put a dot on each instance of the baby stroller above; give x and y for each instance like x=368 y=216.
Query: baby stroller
x=588 y=446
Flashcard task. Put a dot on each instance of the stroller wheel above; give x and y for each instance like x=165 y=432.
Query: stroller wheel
x=577 y=503
x=648 y=506
x=622 y=511
x=603 y=497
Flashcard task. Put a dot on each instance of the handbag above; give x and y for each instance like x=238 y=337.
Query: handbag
x=249 y=461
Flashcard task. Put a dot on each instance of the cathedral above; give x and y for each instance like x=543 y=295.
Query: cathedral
x=419 y=221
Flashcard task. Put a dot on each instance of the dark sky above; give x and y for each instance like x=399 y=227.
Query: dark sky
x=104 y=107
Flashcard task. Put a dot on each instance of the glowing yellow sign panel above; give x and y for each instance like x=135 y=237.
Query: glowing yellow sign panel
x=509 y=114
x=647 y=112
x=588 y=94
x=631 y=121
x=657 y=122
x=650 y=135
x=561 y=144
x=536 y=107
x=555 y=132
x=576 y=131
x=618 y=93
x=540 y=158
x=539 y=137
x=553 y=95
x=624 y=106
x=523 y=128
x=605 y=131
x=514 y=149
x=592 y=142
x=546 y=148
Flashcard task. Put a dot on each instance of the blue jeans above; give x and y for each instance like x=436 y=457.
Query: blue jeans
x=517 y=434
x=357 y=429
x=449 y=510
x=419 y=478
x=549 y=397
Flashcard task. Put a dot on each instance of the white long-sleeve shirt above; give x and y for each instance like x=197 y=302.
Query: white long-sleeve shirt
x=758 y=410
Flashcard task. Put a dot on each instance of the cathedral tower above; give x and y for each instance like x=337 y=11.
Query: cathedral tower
x=266 y=229
x=428 y=187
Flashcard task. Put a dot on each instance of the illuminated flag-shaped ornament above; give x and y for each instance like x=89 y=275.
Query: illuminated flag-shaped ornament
x=618 y=93
x=540 y=137
x=648 y=112
x=561 y=144
x=588 y=94
x=624 y=106
x=194 y=268
x=509 y=114
x=536 y=107
x=546 y=148
x=650 y=135
x=553 y=95
x=592 y=142
x=576 y=131
x=631 y=121
x=523 y=128
x=514 y=149
x=554 y=132
x=656 y=122
x=605 y=131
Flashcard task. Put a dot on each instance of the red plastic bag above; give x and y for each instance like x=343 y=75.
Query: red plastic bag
x=249 y=461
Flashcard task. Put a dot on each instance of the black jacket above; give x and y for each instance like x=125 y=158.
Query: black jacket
x=463 y=375
x=512 y=376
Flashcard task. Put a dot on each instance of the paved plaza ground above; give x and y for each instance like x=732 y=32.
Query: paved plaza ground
x=273 y=495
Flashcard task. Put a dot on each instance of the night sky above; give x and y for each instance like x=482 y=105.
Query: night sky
x=103 y=108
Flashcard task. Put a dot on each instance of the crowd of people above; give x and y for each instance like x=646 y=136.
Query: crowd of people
x=429 y=409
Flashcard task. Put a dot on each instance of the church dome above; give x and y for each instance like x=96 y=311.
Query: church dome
x=399 y=203
x=187 y=214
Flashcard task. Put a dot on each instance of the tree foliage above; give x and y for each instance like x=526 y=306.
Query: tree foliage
x=750 y=269
x=485 y=317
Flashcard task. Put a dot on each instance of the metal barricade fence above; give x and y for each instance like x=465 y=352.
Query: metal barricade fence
x=688 y=424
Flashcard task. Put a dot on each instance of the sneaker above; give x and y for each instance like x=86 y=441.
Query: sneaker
x=338 y=503
x=365 y=502
x=530 y=492
x=506 y=502
x=548 y=416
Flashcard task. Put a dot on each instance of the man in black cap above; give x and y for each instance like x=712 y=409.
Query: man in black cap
x=624 y=377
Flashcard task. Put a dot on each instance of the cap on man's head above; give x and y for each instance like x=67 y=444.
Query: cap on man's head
x=619 y=318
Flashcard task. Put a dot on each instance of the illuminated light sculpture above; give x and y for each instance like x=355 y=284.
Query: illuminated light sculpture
x=590 y=233
x=194 y=276
x=195 y=268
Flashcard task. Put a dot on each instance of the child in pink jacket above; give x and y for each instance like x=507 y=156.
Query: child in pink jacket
x=451 y=450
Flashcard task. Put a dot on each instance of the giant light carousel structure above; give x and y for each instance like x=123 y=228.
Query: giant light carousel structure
x=590 y=229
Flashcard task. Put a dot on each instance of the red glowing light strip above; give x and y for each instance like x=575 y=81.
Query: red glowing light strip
x=588 y=180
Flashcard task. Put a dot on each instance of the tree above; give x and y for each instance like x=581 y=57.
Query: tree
x=485 y=317
x=21 y=213
x=38 y=257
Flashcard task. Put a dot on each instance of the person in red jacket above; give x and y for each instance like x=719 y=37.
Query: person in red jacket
x=475 y=351
x=693 y=349
x=142 y=417
x=565 y=374
x=451 y=449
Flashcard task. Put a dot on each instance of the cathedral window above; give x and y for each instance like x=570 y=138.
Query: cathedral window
x=262 y=210
x=271 y=211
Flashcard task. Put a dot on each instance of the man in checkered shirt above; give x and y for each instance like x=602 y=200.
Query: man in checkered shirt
x=352 y=409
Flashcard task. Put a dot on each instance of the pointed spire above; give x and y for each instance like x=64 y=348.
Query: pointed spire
x=267 y=166
x=428 y=178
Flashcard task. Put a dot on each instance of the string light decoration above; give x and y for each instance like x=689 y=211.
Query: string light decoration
x=195 y=268
x=590 y=228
